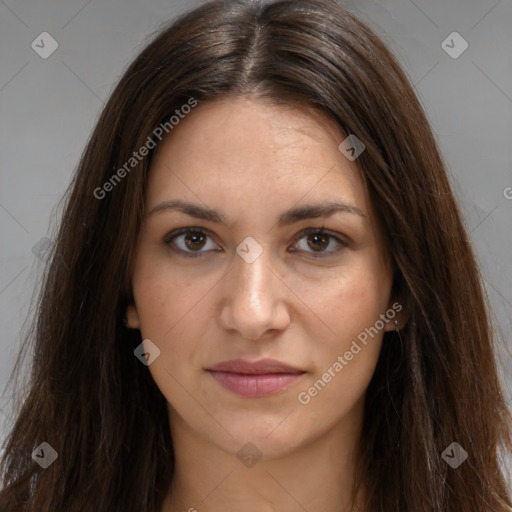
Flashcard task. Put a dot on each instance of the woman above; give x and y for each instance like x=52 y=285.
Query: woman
x=249 y=305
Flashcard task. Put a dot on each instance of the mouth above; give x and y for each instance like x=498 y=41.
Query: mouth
x=255 y=379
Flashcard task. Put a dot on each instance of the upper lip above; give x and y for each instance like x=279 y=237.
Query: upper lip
x=261 y=367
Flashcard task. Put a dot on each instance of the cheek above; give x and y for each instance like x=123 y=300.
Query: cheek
x=172 y=310
x=350 y=305
x=347 y=300
x=345 y=361
x=168 y=299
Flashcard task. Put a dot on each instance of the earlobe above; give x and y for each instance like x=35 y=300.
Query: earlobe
x=397 y=317
x=393 y=325
x=132 y=317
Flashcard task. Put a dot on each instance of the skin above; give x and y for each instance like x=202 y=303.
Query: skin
x=251 y=161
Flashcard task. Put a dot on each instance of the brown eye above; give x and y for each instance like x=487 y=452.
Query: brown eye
x=317 y=242
x=194 y=240
x=189 y=242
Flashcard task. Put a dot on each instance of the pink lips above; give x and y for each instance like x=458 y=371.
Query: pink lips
x=255 y=379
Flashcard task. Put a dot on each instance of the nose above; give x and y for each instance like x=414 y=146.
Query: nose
x=254 y=299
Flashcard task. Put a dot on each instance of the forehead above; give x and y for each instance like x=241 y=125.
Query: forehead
x=233 y=152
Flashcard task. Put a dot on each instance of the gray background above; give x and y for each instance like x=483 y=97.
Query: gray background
x=48 y=108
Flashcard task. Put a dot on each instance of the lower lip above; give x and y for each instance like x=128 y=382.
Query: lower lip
x=255 y=385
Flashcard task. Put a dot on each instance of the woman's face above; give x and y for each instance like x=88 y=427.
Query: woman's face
x=253 y=279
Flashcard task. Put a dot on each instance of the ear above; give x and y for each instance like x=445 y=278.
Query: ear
x=132 y=317
x=396 y=316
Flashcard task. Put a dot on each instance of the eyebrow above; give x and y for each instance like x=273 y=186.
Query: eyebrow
x=309 y=211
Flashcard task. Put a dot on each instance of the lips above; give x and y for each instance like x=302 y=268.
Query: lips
x=255 y=379
x=264 y=366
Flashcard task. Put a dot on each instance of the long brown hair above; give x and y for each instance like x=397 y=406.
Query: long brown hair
x=436 y=381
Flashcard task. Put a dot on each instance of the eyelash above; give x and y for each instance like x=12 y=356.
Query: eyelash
x=197 y=254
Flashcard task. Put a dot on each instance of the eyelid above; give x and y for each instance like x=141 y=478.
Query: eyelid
x=183 y=231
x=322 y=231
x=301 y=234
